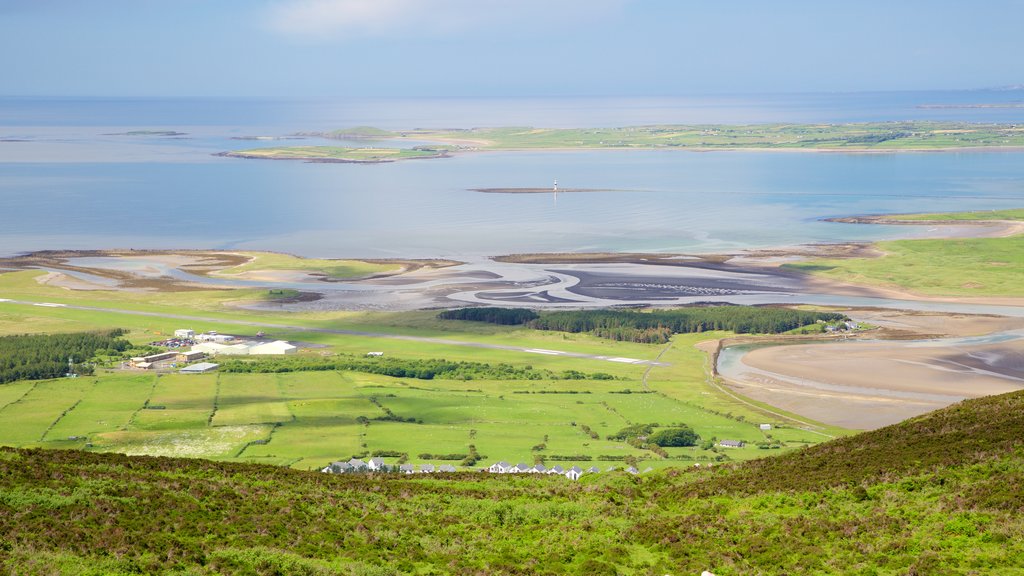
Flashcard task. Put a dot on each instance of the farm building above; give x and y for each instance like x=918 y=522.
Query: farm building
x=446 y=468
x=426 y=468
x=375 y=464
x=732 y=444
x=406 y=469
x=765 y=426
x=184 y=333
x=138 y=361
x=190 y=356
x=199 y=368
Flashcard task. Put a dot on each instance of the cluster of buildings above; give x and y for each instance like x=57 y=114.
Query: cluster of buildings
x=209 y=344
x=573 y=473
x=356 y=466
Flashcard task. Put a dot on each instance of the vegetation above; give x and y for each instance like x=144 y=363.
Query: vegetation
x=918 y=135
x=405 y=368
x=339 y=154
x=329 y=268
x=679 y=436
x=504 y=316
x=658 y=326
x=41 y=356
x=935 y=495
x=949 y=267
x=975 y=216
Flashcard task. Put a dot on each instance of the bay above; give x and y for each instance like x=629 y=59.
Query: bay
x=71 y=178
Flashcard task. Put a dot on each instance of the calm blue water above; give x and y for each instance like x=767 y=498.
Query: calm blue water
x=68 y=181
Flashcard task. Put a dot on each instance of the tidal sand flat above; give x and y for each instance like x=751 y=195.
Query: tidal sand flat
x=868 y=384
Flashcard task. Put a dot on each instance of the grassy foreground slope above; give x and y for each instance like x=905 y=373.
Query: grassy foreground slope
x=940 y=494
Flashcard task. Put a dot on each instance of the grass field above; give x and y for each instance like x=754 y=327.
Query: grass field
x=329 y=268
x=978 y=215
x=862 y=136
x=307 y=419
x=955 y=267
x=336 y=154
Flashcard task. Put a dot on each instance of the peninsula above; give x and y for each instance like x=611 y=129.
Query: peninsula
x=857 y=137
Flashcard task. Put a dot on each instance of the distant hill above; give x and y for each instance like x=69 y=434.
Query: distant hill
x=939 y=494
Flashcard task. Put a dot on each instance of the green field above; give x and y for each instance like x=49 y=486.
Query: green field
x=337 y=154
x=862 y=136
x=308 y=419
x=953 y=267
x=978 y=215
x=329 y=268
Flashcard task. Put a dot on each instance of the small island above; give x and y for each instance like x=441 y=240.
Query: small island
x=338 y=154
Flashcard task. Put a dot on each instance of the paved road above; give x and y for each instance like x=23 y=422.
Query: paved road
x=291 y=328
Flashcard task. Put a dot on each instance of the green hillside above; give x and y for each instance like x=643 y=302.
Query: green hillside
x=940 y=494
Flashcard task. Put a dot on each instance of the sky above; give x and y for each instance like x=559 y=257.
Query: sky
x=504 y=48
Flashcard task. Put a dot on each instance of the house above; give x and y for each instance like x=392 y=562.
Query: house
x=574 y=473
x=556 y=470
x=520 y=468
x=632 y=470
x=338 y=468
x=190 y=356
x=276 y=347
x=357 y=464
x=538 y=469
x=426 y=468
x=500 y=467
x=374 y=354
x=406 y=469
x=765 y=427
x=593 y=470
x=732 y=444
x=375 y=464
x=446 y=468
x=199 y=368
x=184 y=333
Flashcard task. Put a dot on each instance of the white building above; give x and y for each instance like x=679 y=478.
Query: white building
x=275 y=347
x=184 y=333
x=574 y=473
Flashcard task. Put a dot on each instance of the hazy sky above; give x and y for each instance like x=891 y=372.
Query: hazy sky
x=394 y=48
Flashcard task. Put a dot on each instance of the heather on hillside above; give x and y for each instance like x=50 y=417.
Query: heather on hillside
x=936 y=495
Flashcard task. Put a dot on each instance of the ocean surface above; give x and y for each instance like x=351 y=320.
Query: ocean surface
x=72 y=178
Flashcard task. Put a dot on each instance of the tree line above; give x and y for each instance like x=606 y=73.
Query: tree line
x=653 y=327
x=426 y=369
x=492 y=315
x=42 y=356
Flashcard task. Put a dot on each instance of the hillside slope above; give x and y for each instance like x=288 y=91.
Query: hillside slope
x=941 y=494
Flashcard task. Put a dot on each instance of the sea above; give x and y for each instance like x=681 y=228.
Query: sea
x=97 y=173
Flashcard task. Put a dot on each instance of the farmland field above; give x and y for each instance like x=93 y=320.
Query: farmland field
x=307 y=419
